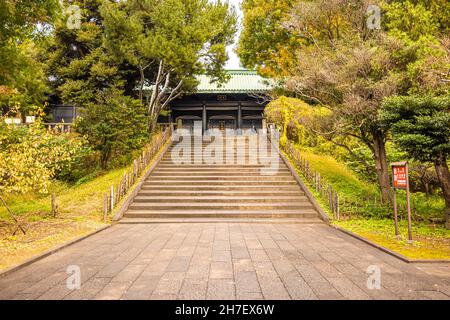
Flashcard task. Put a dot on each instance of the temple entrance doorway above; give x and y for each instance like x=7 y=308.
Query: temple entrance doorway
x=222 y=122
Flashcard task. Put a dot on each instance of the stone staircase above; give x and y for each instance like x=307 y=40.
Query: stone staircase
x=230 y=192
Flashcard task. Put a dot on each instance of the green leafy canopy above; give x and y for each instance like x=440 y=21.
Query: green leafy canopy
x=420 y=124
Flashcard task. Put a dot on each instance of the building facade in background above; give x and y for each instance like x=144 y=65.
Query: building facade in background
x=237 y=104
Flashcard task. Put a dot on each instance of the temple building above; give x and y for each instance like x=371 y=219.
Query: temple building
x=237 y=104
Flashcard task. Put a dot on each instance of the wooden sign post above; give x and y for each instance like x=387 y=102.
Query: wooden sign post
x=400 y=180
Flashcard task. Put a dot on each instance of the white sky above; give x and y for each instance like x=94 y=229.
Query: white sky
x=233 y=61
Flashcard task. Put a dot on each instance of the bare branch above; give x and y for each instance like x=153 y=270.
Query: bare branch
x=172 y=96
x=261 y=98
x=155 y=90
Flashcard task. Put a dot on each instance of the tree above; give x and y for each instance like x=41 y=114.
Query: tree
x=115 y=126
x=421 y=127
x=417 y=17
x=25 y=84
x=83 y=72
x=169 y=42
x=348 y=68
x=23 y=26
x=80 y=68
x=341 y=63
x=264 y=42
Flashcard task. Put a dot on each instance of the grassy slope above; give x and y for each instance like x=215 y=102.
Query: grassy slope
x=431 y=241
x=80 y=200
x=79 y=213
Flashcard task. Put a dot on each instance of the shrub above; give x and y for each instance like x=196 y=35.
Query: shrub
x=115 y=126
x=30 y=156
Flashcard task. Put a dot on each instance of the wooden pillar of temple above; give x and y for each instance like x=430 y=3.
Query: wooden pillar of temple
x=204 y=118
x=239 y=124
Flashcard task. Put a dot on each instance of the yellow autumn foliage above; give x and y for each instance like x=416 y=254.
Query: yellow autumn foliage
x=296 y=118
x=31 y=156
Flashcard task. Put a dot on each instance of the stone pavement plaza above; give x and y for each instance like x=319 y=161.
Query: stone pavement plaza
x=224 y=261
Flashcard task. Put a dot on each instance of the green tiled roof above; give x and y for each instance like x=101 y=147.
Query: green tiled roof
x=241 y=81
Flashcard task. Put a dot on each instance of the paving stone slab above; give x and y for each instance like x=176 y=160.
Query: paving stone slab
x=224 y=261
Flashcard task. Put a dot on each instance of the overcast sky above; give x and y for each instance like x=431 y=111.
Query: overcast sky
x=233 y=61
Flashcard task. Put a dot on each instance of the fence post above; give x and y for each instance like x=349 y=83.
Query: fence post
x=54 y=205
x=307 y=170
x=105 y=207
x=330 y=200
x=333 y=203
x=112 y=198
x=315 y=181
x=122 y=188
x=318 y=183
x=337 y=206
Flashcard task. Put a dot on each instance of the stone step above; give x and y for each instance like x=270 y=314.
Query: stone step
x=224 y=153
x=231 y=145
x=216 y=188
x=219 y=174
x=221 y=220
x=189 y=166
x=306 y=213
x=256 y=162
x=256 y=187
x=224 y=158
x=209 y=139
x=193 y=168
x=242 y=152
x=205 y=183
x=232 y=193
x=224 y=149
x=181 y=171
x=256 y=177
x=202 y=168
x=210 y=145
x=221 y=156
x=218 y=199
x=228 y=205
x=224 y=146
x=217 y=140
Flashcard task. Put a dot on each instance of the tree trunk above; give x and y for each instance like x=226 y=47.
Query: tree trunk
x=141 y=84
x=152 y=122
x=104 y=160
x=381 y=166
x=440 y=164
x=427 y=188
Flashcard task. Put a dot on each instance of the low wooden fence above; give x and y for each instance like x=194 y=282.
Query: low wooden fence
x=345 y=207
x=57 y=128
x=130 y=177
x=314 y=179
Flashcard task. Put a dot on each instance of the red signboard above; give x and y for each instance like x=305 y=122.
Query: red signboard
x=399 y=173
